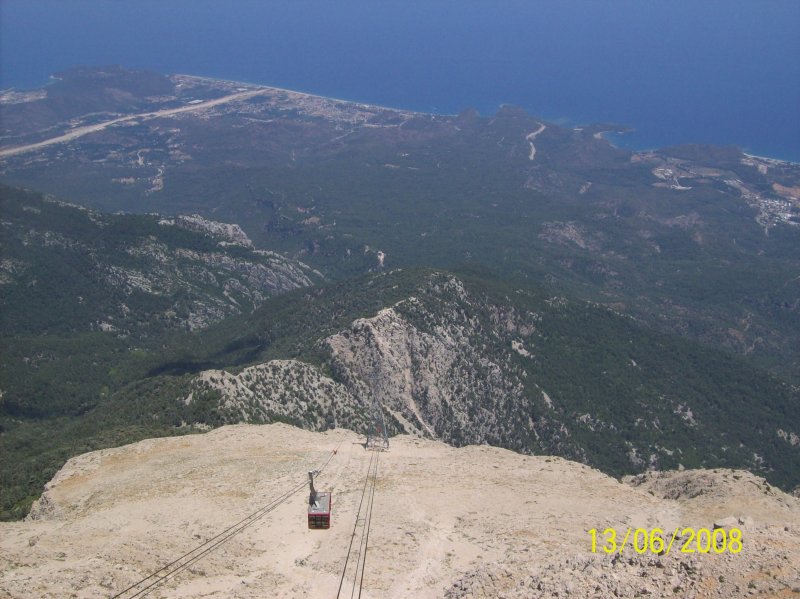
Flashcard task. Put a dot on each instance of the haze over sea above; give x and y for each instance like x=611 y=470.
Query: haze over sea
x=724 y=72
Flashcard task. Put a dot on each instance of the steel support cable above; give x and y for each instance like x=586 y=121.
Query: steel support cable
x=263 y=512
x=370 y=487
x=222 y=537
x=355 y=526
x=362 y=540
x=368 y=524
x=160 y=579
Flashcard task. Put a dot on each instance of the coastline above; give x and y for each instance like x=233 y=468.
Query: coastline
x=782 y=161
x=604 y=134
x=775 y=160
x=274 y=88
x=615 y=130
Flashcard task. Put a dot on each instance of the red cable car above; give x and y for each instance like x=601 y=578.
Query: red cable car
x=319 y=506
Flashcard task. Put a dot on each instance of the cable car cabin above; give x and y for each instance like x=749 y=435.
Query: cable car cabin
x=319 y=506
x=319 y=512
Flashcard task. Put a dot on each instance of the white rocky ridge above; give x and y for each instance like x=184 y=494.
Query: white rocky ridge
x=217 y=283
x=228 y=232
x=789 y=436
x=203 y=282
x=475 y=522
x=425 y=359
x=415 y=372
x=446 y=363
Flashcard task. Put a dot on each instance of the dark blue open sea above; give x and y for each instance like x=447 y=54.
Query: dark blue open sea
x=677 y=71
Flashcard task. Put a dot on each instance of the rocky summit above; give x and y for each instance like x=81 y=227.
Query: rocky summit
x=470 y=522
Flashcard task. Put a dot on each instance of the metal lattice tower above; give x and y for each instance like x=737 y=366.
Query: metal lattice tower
x=377 y=437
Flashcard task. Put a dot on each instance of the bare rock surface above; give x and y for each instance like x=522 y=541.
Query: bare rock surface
x=231 y=233
x=426 y=358
x=471 y=522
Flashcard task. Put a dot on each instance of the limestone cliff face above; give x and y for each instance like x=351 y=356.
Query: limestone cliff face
x=442 y=363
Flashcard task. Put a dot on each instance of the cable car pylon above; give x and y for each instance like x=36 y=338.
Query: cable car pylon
x=377 y=437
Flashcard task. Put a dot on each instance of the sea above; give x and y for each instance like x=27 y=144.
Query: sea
x=677 y=71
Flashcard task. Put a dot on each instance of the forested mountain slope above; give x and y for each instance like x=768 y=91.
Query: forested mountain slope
x=287 y=257
x=695 y=240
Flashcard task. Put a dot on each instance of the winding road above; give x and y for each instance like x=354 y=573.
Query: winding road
x=531 y=136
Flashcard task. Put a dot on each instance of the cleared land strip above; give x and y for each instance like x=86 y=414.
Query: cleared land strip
x=81 y=131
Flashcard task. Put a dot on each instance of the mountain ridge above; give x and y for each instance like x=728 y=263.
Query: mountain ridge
x=465 y=358
x=693 y=239
x=281 y=245
x=460 y=361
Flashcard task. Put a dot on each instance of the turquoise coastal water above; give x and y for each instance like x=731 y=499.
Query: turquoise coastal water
x=677 y=72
